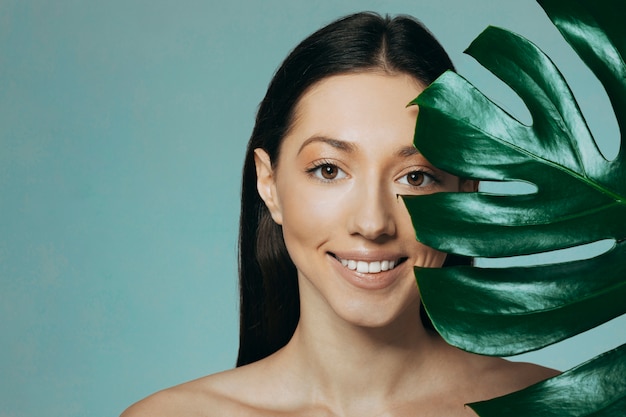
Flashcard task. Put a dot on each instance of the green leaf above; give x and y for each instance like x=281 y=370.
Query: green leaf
x=595 y=388
x=580 y=198
x=513 y=310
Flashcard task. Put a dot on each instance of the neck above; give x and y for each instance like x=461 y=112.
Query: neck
x=352 y=368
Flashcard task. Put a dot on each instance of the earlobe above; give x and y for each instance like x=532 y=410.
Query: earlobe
x=266 y=184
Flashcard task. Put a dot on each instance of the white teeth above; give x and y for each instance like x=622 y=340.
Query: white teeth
x=352 y=265
x=374 y=267
x=367 y=267
x=362 y=266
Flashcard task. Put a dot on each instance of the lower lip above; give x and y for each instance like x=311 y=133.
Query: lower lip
x=376 y=281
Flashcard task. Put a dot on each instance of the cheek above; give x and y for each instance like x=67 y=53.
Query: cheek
x=311 y=216
x=429 y=257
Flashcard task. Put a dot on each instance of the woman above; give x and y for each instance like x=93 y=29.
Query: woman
x=330 y=313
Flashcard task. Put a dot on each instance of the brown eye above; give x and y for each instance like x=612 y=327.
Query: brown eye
x=415 y=178
x=329 y=172
x=418 y=179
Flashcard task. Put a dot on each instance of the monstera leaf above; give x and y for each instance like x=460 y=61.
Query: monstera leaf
x=580 y=198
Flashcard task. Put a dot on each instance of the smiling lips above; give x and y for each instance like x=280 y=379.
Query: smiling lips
x=369 y=267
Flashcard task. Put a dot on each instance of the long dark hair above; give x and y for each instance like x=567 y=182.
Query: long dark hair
x=269 y=298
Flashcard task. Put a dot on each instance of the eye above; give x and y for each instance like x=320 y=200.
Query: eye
x=327 y=172
x=417 y=179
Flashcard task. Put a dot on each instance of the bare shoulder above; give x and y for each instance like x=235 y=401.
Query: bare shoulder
x=213 y=395
x=523 y=374
x=501 y=377
x=477 y=378
x=189 y=399
x=163 y=403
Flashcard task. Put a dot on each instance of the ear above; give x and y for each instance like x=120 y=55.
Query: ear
x=468 y=186
x=266 y=184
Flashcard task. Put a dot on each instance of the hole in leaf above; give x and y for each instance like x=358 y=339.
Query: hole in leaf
x=507 y=187
x=581 y=252
x=499 y=93
x=588 y=91
x=594 y=103
x=580 y=348
x=603 y=125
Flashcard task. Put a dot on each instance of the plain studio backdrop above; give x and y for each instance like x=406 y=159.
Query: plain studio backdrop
x=122 y=133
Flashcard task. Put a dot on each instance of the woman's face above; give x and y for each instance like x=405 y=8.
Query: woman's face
x=346 y=158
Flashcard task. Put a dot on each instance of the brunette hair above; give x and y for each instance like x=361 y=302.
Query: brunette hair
x=269 y=297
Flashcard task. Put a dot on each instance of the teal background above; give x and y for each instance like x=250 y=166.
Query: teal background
x=122 y=132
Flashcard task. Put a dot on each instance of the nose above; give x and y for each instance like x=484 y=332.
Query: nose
x=374 y=212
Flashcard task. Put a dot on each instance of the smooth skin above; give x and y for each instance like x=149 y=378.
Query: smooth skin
x=360 y=349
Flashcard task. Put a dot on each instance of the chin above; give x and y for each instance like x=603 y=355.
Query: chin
x=380 y=315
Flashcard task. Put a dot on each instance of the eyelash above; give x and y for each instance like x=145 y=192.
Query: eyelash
x=428 y=176
x=318 y=165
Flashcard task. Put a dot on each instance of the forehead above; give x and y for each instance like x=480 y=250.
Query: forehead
x=358 y=106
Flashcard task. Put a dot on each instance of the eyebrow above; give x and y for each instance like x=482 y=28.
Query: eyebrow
x=404 y=152
x=335 y=143
x=407 y=151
